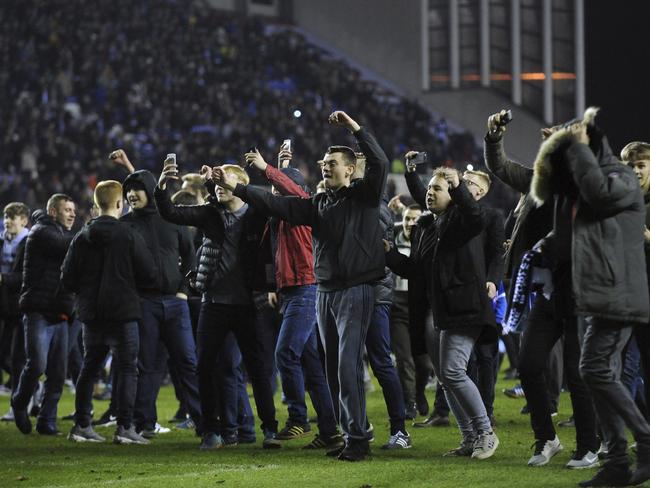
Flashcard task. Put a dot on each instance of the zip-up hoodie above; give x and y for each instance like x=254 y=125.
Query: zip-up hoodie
x=106 y=261
x=166 y=241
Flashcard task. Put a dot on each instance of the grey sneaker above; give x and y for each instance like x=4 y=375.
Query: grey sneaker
x=465 y=449
x=84 y=434
x=485 y=445
x=271 y=440
x=128 y=436
x=583 y=460
x=544 y=451
x=400 y=440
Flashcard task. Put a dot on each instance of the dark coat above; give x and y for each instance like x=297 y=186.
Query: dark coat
x=451 y=269
x=11 y=283
x=608 y=272
x=208 y=219
x=46 y=246
x=166 y=241
x=106 y=262
x=532 y=222
x=347 y=233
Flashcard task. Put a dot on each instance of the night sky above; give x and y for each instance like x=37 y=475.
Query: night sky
x=617 y=35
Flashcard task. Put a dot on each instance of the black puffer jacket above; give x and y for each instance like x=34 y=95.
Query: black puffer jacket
x=166 y=241
x=445 y=260
x=106 y=261
x=46 y=246
x=608 y=272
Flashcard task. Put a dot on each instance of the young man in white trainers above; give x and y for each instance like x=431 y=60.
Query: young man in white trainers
x=103 y=264
x=457 y=295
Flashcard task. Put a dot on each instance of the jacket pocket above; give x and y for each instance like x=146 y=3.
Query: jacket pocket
x=462 y=298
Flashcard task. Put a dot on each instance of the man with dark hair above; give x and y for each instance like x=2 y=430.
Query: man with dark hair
x=12 y=246
x=348 y=260
x=456 y=294
x=47 y=310
x=165 y=312
x=105 y=261
x=296 y=352
x=399 y=325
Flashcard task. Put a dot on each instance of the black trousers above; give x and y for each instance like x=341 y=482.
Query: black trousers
x=215 y=321
x=540 y=336
x=600 y=366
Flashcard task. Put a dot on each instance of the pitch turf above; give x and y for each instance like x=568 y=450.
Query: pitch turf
x=174 y=459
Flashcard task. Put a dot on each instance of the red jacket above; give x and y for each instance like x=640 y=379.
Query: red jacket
x=294 y=258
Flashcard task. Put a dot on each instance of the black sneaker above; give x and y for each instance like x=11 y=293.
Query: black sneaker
x=68 y=417
x=294 y=431
x=434 y=420
x=230 y=440
x=609 y=477
x=271 y=440
x=524 y=410
x=107 y=419
x=47 y=430
x=355 y=452
x=336 y=451
x=326 y=442
x=411 y=411
x=22 y=420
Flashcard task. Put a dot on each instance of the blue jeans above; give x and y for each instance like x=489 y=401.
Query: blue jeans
x=343 y=320
x=632 y=375
x=378 y=348
x=298 y=360
x=46 y=349
x=236 y=413
x=165 y=324
x=122 y=340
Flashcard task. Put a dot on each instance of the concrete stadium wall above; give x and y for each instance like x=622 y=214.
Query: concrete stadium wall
x=382 y=35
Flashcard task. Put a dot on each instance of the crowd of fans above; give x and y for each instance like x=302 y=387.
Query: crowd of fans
x=160 y=76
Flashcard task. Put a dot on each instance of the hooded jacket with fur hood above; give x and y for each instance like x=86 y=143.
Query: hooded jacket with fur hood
x=607 y=218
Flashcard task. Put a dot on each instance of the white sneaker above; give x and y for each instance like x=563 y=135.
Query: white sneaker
x=159 y=429
x=485 y=445
x=583 y=460
x=8 y=417
x=602 y=450
x=544 y=451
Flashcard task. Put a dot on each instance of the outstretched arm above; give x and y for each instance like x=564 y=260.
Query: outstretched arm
x=511 y=173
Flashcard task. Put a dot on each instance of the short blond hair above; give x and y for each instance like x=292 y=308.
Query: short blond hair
x=194 y=183
x=635 y=151
x=481 y=174
x=444 y=171
x=107 y=193
x=238 y=172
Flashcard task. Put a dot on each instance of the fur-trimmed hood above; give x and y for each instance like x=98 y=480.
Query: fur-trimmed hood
x=550 y=172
